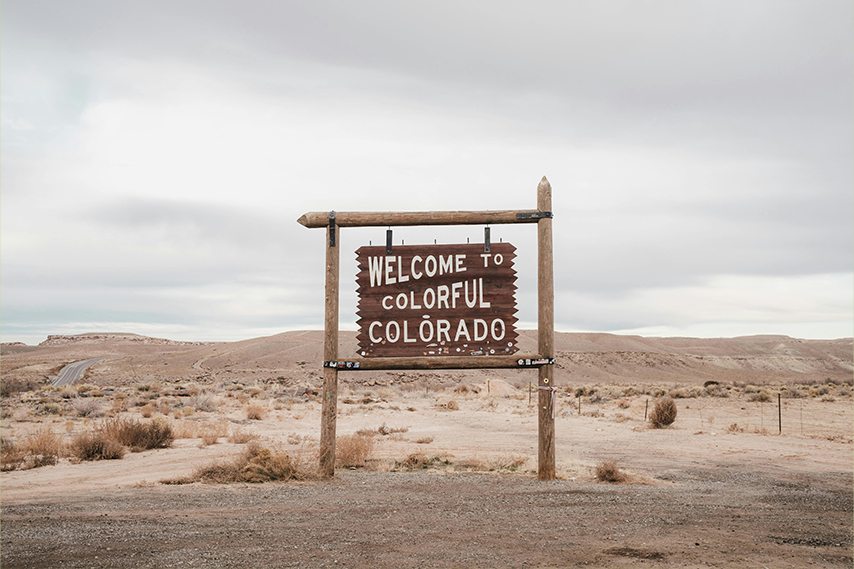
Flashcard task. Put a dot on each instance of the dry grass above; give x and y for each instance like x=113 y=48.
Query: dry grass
x=664 y=413
x=241 y=436
x=608 y=471
x=255 y=412
x=87 y=407
x=353 y=451
x=212 y=432
x=256 y=464
x=452 y=405
x=11 y=454
x=96 y=446
x=44 y=447
x=138 y=435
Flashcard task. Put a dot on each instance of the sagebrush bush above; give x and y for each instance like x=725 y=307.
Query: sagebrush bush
x=353 y=450
x=138 y=435
x=87 y=407
x=608 y=471
x=256 y=464
x=255 y=412
x=11 y=454
x=43 y=447
x=96 y=446
x=664 y=413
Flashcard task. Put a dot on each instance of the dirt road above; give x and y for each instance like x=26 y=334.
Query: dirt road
x=720 y=517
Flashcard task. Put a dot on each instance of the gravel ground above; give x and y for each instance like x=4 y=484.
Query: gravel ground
x=719 y=517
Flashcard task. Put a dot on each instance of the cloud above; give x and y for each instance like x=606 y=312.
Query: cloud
x=696 y=153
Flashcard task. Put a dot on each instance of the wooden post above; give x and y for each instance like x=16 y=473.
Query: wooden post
x=546 y=335
x=330 y=353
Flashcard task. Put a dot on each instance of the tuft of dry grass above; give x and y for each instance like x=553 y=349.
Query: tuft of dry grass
x=664 y=413
x=147 y=410
x=11 y=454
x=608 y=471
x=241 y=436
x=138 y=435
x=424 y=441
x=43 y=447
x=255 y=412
x=452 y=405
x=256 y=464
x=96 y=446
x=87 y=407
x=353 y=451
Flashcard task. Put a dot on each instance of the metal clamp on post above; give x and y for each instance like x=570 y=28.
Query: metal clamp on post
x=341 y=365
x=332 y=228
x=486 y=239
x=529 y=362
x=535 y=215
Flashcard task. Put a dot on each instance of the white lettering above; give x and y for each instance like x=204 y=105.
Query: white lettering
x=459 y=266
x=397 y=301
x=471 y=303
x=479 y=337
x=406 y=338
x=486 y=257
x=401 y=278
x=432 y=294
x=421 y=330
x=499 y=258
x=443 y=292
x=494 y=333
x=375 y=269
x=389 y=267
x=442 y=327
x=412 y=304
x=430 y=260
x=482 y=303
x=415 y=274
x=392 y=338
x=446 y=265
x=455 y=293
x=389 y=307
x=371 y=333
x=462 y=329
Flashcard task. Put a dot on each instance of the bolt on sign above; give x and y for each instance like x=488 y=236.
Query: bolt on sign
x=437 y=300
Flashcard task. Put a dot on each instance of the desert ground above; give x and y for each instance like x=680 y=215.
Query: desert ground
x=436 y=469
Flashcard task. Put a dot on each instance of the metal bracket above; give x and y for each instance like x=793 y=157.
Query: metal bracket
x=486 y=243
x=388 y=237
x=535 y=362
x=332 y=229
x=341 y=365
x=535 y=215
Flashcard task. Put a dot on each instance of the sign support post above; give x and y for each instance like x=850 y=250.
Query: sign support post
x=330 y=353
x=546 y=336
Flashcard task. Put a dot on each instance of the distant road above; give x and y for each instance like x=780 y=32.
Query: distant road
x=73 y=372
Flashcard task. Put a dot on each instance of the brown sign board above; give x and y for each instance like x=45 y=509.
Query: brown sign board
x=437 y=300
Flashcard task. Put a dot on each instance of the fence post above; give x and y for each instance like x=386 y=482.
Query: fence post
x=779 y=415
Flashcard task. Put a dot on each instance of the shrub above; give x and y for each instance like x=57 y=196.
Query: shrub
x=353 y=451
x=256 y=464
x=452 y=405
x=608 y=471
x=96 y=446
x=664 y=413
x=241 y=436
x=139 y=435
x=203 y=402
x=11 y=454
x=86 y=407
x=255 y=412
x=44 y=447
x=147 y=410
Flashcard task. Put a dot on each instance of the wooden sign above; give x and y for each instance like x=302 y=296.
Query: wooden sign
x=437 y=300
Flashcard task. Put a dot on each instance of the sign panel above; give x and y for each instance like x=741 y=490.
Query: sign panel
x=437 y=300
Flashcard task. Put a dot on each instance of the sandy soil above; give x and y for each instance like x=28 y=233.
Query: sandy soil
x=719 y=487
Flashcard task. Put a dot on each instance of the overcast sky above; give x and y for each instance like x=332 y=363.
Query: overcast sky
x=156 y=156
